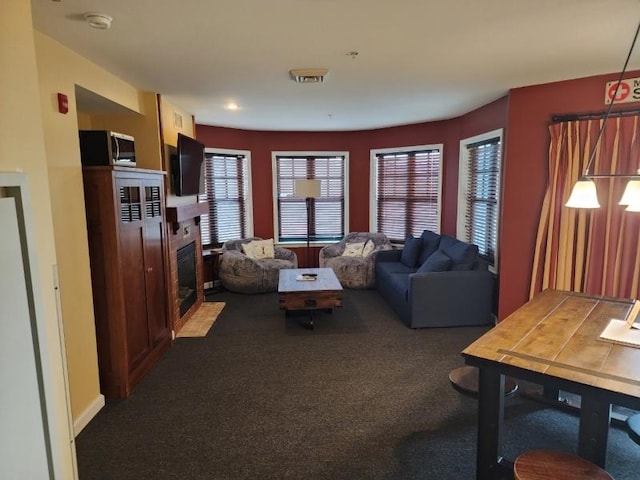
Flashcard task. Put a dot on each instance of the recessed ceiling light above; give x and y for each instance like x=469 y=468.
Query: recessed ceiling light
x=232 y=106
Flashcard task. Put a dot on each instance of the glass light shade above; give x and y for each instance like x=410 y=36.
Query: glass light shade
x=583 y=195
x=631 y=195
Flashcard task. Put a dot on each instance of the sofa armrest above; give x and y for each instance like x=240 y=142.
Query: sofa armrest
x=388 y=255
x=237 y=262
x=333 y=250
x=285 y=254
x=453 y=298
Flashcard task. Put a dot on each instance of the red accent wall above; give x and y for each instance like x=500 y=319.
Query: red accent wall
x=526 y=172
x=358 y=144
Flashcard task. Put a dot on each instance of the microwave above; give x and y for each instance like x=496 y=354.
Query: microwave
x=104 y=147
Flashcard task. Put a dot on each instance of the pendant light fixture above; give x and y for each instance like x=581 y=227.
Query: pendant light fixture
x=584 y=194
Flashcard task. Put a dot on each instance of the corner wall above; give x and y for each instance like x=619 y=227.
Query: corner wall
x=22 y=148
x=60 y=70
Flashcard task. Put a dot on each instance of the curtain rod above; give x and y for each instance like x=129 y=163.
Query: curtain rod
x=570 y=117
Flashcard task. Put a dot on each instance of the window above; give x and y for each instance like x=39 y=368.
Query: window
x=328 y=214
x=407 y=184
x=479 y=192
x=228 y=192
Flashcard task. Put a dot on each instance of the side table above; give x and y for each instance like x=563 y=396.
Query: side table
x=211 y=258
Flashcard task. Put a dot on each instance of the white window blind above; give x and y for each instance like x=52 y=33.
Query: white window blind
x=482 y=196
x=408 y=192
x=228 y=195
x=327 y=213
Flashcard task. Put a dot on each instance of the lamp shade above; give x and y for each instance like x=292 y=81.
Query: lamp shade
x=307 y=188
x=634 y=207
x=583 y=195
x=631 y=195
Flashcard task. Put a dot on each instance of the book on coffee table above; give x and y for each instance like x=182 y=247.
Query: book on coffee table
x=305 y=277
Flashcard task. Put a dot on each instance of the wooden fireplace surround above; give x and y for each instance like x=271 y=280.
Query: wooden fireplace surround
x=184 y=228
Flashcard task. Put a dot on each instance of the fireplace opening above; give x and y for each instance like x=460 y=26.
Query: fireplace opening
x=187 y=288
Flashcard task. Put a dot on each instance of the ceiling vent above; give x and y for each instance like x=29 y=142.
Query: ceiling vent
x=309 y=75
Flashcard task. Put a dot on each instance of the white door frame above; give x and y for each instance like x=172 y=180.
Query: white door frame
x=48 y=339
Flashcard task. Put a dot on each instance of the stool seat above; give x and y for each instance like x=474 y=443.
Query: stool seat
x=466 y=380
x=633 y=427
x=551 y=465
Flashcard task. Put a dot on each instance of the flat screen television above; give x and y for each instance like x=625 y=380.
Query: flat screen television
x=187 y=170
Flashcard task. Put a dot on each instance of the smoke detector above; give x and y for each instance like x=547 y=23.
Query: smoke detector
x=309 y=75
x=98 y=20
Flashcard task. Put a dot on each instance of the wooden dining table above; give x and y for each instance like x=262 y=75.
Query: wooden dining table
x=553 y=341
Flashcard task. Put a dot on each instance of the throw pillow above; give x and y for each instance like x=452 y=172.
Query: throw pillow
x=353 y=249
x=437 y=262
x=369 y=247
x=463 y=255
x=263 y=249
x=430 y=243
x=247 y=249
x=410 y=252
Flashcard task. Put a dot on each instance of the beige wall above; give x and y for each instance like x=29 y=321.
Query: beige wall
x=145 y=128
x=43 y=143
x=174 y=120
x=22 y=146
x=60 y=70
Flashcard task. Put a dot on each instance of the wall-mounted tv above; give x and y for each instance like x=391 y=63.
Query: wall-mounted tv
x=187 y=171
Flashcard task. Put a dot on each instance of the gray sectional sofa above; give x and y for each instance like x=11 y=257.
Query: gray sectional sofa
x=436 y=281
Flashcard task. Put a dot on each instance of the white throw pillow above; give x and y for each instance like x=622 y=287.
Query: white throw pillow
x=353 y=249
x=247 y=249
x=368 y=248
x=263 y=249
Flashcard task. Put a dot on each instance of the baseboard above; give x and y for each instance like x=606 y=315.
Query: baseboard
x=87 y=415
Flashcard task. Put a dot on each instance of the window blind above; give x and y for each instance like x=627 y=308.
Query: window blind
x=227 y=193
x=481 y=217
x=408 y=193
x=326 y=213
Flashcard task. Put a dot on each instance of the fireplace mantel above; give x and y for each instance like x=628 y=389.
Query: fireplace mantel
x=181 y=213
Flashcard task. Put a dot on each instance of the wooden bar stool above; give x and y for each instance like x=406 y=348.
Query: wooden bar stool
x=551 y=465
x=466 y=380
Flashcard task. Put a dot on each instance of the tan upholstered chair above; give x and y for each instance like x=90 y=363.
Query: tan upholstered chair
x=354 y=271
x=242 y=274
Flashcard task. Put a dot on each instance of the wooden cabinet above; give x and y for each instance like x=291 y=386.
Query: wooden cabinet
x=127 y=249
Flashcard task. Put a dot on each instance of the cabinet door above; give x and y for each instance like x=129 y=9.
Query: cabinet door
x=154 y=260
x=132 y=232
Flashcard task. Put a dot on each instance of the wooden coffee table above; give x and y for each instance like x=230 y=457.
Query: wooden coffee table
x=323 y=293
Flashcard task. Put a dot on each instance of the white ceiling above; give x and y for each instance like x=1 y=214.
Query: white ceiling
x=418 y=60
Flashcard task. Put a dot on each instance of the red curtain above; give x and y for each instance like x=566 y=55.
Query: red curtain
x=591 y=251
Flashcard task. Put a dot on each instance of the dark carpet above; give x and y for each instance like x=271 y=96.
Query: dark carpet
x=360 y=397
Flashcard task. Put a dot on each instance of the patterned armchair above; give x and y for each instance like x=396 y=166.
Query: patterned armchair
x=353 y=270
x=240 y=273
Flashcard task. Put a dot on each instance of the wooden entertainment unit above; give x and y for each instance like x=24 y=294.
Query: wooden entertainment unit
x=125 y=210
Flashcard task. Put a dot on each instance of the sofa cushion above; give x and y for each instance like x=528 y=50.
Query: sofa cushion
x=463 y=255
x=437 y=262
x=353 y=249
x=389 y=268
x=398 y=284
x=262 y=249
x=411 y=251
x=369 y=247
x=247 y=249
x=430 y=243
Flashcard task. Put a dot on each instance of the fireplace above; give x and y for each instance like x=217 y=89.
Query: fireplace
x=187 y=286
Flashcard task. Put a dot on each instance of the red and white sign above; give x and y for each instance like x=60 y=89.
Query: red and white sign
x=628 y=91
